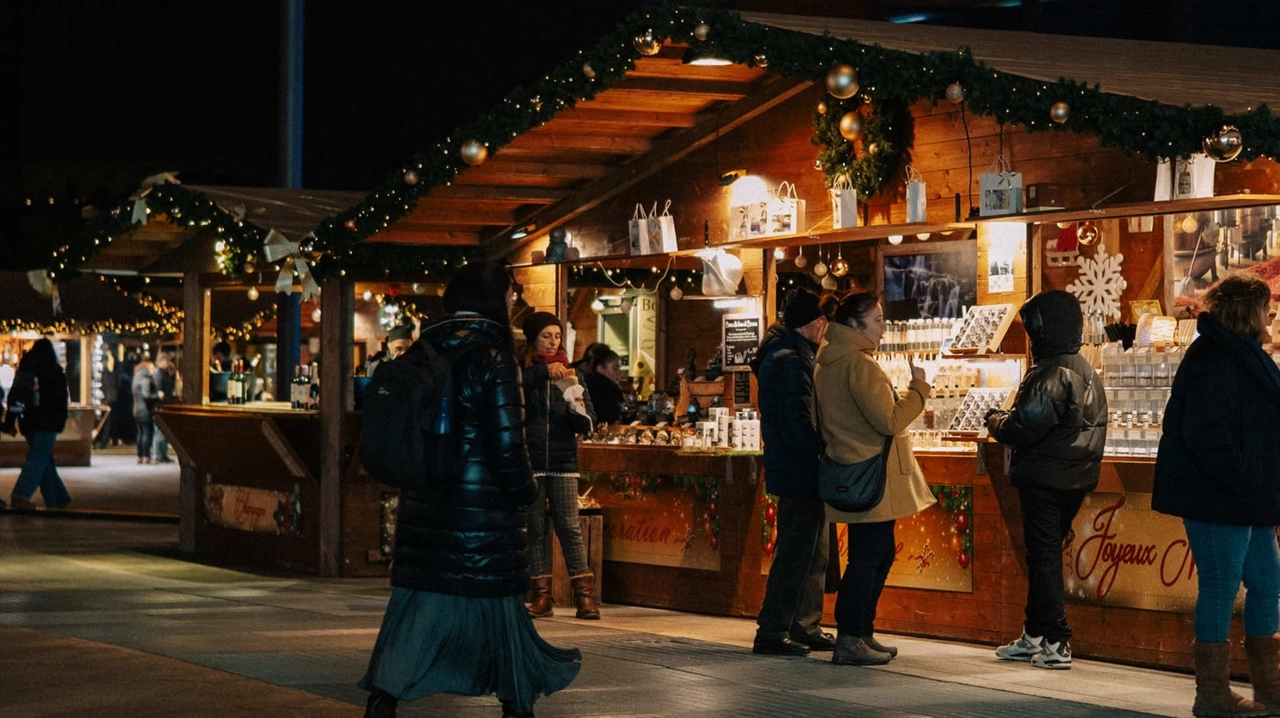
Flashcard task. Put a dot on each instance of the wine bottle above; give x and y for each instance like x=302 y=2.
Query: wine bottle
x=314 y=393
x=233 y=384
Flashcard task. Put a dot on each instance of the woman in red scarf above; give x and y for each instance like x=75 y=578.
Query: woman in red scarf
x=557 y=410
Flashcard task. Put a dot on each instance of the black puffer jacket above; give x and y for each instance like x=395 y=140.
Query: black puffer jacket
x=1218 y=461
x=49 y=412
x=467 y=537
x=1058 y=424
x=784 y=368
x=551 y=429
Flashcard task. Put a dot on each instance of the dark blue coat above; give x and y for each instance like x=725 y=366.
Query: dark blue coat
x=551 y=429
x=1218 y=461
x=467 y=536
x=784 y=369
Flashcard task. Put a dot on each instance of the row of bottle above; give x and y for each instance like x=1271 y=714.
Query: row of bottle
x=239 y=384
x=1141 y=368
x=304 y=390
x=916 y=335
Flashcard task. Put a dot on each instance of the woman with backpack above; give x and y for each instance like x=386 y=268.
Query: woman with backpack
x=456 y=621
x=558 y=409
x=39 y=399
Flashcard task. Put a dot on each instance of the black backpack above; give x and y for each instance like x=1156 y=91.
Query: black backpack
x=407 y=438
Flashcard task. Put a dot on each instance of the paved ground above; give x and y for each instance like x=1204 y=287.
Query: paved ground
x=100 y=617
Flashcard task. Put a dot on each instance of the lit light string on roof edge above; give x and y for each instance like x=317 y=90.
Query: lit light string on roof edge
x=1150 y=129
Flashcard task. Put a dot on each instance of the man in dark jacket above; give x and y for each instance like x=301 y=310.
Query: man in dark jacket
x=1057 y=429
x=792 y=607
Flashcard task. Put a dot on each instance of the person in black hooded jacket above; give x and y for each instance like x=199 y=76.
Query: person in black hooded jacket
x=1057 y=429
x=1218 y=469
x=456 y=621
x=40 y=403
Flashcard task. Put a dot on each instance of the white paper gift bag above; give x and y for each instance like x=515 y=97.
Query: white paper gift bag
x=1000 y=189
x=786 y=212
x=662 y=231
x=844 y=203
x=915 y=196
x=638 y=230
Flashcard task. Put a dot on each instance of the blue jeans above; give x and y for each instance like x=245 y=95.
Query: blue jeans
x=1225 y=555
x=38 y=471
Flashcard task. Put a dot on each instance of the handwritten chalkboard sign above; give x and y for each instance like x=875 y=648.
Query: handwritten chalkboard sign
x=741 y=340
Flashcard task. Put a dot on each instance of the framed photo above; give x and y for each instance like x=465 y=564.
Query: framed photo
x=936 y=281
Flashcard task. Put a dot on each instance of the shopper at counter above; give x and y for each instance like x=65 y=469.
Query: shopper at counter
x=1218 y=469
x=792 y=606
x=145 y=396
x=1057 y=428
x=456 y=621
x=858 y=411
x=557 y=410
x=603 y=383
x=40 y=404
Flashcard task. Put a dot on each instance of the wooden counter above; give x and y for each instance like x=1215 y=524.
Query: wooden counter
x=73 y=448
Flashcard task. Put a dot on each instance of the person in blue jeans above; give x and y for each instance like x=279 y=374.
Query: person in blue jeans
x=1219 y=471
x=39 y=399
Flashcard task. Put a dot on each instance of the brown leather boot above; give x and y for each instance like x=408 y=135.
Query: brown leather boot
x=1264 y=670
x=540 y=590
x=584 y=595
x=853 y=651
x=1214 y=696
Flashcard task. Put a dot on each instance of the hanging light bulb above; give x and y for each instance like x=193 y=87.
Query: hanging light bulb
x=779 y=254
x=367 y=295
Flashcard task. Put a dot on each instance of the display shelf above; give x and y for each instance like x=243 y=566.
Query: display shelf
x=981 y=331
x=947 y=230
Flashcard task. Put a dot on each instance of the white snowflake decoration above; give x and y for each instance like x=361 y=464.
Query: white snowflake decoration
x=1099 y=285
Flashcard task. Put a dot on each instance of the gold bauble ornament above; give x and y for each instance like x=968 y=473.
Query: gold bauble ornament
x=702 y=31
x=1088 y=233
x=873 y=148
x=839 y=267
x=761 y=60
x=474 y=152
x=252 y=294
x=1189 y=224
x=647 y=43
x=822 y=107
x=350 y=225
x=1223 y=144
x=588 y=70
x=418 y=287
x=1060 y=112
x=250 y=267
x=955 y=93
x=850 y=125
x=842 y=81
x=817 y=165
x=411 y=177
x=315 y=314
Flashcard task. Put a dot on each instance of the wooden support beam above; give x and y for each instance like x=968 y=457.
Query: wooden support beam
x=337 y=305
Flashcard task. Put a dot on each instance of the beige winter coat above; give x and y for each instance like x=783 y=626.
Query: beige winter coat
x=858 y=408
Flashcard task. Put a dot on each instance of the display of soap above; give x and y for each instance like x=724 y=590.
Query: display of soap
x=972 y=414
x=982 y=329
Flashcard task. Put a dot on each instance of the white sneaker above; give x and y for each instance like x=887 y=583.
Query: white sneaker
x=1053 y=655
x=1023 y=649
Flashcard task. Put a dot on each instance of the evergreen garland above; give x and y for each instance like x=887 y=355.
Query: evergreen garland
x=1152 y=130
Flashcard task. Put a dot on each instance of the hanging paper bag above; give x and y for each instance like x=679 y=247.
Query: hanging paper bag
x=786 y=212
x=662 y=231
x=638 y=229
x=915 y=196
x=844 y=203
x=1000 y=189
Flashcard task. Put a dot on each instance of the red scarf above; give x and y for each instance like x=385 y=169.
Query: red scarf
x=559 y=356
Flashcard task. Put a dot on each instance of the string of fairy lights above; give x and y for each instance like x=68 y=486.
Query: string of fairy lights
x=862 y=130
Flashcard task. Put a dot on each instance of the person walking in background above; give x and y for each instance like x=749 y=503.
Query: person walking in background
x=456 y=621
x=144 y=397
x=792 y=607
x=1218 y=469
x=557 y=410
x=604 y=383
x=39 y=400
x=858 y=412
x=1057 y=429
x=166 y=382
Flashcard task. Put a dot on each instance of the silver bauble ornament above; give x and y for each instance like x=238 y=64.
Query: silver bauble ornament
x=411 y=177
x=842 y=81
x=1224 y=144
x=822 y=107
x=474 y=152
x=702 y=31
x=315 y=314
x=761 y=60
x=647 y=44
x=840 y=267
x=955 y=93
x=676 y=294
x=820 y=269
x=252 y=294
x=850 y=125
x=1060 y=112
x=801 y=260
x=1087 y=233
x=588 y=70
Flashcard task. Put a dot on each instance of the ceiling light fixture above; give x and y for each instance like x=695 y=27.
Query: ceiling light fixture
x=703 y=59
x=524 y=231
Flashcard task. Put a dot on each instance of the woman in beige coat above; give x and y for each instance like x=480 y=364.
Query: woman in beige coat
x=858 y=410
